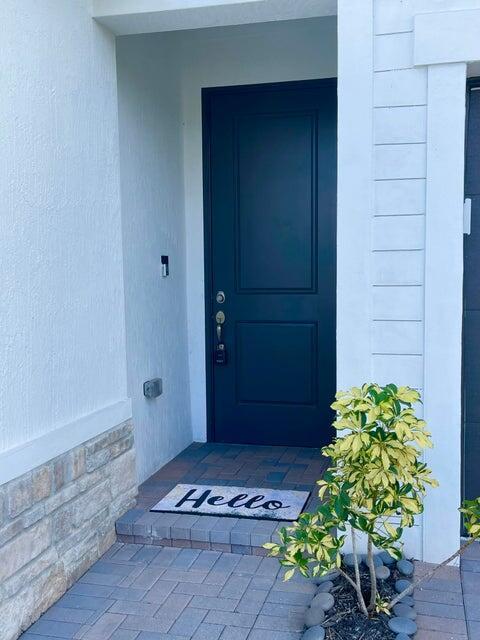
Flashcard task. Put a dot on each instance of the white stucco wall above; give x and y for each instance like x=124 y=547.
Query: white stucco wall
x=153 y=225
x=62 y=340
x=233 y=56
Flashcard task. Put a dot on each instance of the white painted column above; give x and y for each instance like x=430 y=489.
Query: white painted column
x=355 y=191
x=443 y=304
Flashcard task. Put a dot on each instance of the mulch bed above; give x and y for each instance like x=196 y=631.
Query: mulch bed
x=345 y=620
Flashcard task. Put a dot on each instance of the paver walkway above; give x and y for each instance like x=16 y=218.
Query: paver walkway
x=174 y=591
x=138 y=592
x=141 y=592
x=471 y=590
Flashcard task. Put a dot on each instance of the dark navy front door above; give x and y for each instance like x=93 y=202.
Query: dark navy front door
x=270 y=195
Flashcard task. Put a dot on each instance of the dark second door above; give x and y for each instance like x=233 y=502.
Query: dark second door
x=271 y=197
x=471 y=315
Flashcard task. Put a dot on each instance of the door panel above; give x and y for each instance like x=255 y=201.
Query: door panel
x=275 y=167
x=471 y=298
x=286 y=372
x=270 y=178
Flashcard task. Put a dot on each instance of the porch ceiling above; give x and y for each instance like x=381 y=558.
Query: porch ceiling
x=124 y=17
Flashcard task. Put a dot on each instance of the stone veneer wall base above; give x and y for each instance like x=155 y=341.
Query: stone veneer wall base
x=57 y=520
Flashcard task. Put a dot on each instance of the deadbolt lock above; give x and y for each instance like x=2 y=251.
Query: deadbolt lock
x=220 y=297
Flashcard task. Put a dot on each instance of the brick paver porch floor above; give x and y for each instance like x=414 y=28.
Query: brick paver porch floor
x=138 y=592
x=167 y=589
x=220 y=464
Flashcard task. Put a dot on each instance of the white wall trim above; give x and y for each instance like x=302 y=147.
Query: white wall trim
x=19 y=460
x=355 y=191
x=125 y=17
x=443 y=304
x=446 y=37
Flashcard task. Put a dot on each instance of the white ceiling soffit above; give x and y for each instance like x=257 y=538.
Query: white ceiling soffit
x=125 y=17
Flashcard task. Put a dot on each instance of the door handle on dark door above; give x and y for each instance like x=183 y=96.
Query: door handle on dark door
x=219 y=319
x=220 y=350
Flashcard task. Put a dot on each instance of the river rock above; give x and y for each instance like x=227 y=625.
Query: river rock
x=404 y=611
x=325 y=587
x=405 y=567
x=349 y=559
x=401 y=585
x=402 y=625
x=323 y=600
x=402 y=636
x=314 y=633
x=382 y=572
x=314 y=617
x=386 y=558
x=408 y=600
x=377 y=561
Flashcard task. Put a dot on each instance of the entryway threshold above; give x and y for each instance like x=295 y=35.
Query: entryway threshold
x=289 y=468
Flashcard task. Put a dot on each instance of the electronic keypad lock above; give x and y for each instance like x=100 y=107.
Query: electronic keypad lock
x=220 y=354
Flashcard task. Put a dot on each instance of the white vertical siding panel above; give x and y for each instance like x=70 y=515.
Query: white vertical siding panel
x=399 y=232
x=398 y=267
x=443 y=302
x=404 y=87
x=393 y=51
x=355 y=189
x=397 y=337
x=400 y=161
x=400 y=197
x=397 y=303
x=394 y=125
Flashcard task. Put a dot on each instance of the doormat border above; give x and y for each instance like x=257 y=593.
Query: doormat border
x=301 y=497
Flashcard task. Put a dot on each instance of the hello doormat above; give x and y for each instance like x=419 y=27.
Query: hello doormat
x=239 y=502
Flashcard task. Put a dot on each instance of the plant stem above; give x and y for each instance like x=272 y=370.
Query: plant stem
x=358 y=587
x=358 y=591
x=429 y=574
x=373 y=577
x=355 y=557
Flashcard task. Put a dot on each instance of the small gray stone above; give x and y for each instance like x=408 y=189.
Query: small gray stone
x=408 y=600
x=386 y=558
x=323 y=600
x=349 y=559
x=377 y=561
x=405 y=567
x=382 y=572
x=314 y=633
x=403 y=611
x=325 y=587
x=314 y=617
x=402 y=625
x=331 y=575
x=401 y=585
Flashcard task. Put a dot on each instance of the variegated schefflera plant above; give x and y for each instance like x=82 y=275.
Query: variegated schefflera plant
x=375 y=485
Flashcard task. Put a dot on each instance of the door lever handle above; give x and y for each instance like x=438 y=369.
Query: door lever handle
x=219 y=333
